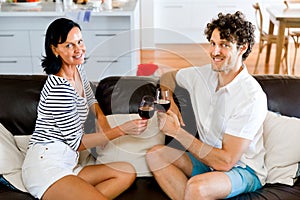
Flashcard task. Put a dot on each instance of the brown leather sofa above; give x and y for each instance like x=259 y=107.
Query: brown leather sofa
x=19 y=95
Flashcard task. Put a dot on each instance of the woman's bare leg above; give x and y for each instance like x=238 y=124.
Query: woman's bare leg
x=110 y=179
x=101 y=182
x=72 y=187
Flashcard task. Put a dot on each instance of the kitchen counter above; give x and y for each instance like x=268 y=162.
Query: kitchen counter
x=111 y=38
x=49 y=9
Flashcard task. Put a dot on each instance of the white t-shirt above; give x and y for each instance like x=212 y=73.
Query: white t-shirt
x=237 y=109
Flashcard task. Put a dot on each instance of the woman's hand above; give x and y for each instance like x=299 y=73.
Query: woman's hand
x=168 y=123
x=134 y=127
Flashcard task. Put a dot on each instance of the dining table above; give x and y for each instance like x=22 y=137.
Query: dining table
x=283 y=18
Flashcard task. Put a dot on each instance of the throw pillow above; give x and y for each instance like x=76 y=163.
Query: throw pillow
x=22 y=142
x=130 y=148
x=281 y=140
x=11 y=159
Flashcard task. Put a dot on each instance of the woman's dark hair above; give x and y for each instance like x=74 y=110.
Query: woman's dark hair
x=233 y=28
x=56 y=33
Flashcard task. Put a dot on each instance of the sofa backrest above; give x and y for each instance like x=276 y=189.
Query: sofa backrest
x=283 y=93
x=122 y=95
x=19 y=96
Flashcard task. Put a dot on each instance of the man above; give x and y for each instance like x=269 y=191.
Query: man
x=229 y=107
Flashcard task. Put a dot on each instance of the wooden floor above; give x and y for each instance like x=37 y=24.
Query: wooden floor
x=175 y=56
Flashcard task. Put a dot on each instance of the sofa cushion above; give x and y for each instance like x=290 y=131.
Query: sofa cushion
x=22 y=142
x=11 y=159
x=281 y=139
x=131 y=148
x=12 y=154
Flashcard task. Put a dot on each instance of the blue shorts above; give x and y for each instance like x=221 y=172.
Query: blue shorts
x=242 y=179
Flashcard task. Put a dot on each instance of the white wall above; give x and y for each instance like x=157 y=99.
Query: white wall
x=159 y=24
x=147 y=23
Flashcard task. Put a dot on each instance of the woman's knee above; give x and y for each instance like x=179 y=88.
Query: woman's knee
x=154 y=151
x=124 y=167
x=154 y=155
x=124 y=170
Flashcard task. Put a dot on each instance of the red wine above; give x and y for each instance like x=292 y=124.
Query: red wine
x=146 y=112
x=162 y=105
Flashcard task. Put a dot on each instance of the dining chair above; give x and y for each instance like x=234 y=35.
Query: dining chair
x=294 y=33
x=266 y=40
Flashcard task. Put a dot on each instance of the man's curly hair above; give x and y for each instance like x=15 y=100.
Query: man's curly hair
x=233 y=28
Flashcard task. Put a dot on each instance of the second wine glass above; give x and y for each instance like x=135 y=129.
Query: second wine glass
x=162 y=100
x=146 y=107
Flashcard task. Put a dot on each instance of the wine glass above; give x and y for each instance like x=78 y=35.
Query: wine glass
x=162 y=100
x=146 y=107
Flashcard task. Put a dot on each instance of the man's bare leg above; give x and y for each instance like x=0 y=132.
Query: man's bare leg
x=170 y=168
x=211 y=185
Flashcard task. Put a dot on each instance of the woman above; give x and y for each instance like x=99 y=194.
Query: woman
x=51 y=169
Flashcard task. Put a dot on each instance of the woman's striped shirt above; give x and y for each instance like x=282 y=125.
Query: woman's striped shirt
x=62 y=111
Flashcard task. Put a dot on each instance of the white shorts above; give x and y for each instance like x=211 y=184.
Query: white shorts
x=45 y=164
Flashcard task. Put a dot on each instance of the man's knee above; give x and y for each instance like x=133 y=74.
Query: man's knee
x=196 y=187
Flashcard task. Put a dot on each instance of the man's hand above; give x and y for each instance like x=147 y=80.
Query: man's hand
x=167 y=81
x=174 y=108
x=168 y=123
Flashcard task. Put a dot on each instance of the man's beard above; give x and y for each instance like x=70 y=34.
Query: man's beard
x=225 y=68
